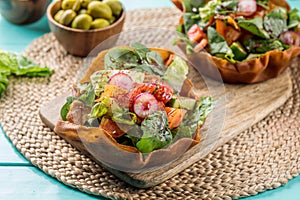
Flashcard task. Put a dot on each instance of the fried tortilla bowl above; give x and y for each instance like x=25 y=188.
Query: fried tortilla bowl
x=105 y=150
x=267 y=66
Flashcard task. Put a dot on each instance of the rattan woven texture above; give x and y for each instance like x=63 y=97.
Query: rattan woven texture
x=263 y=157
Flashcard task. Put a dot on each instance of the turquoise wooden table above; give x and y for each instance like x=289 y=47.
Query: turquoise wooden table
x=19 y=179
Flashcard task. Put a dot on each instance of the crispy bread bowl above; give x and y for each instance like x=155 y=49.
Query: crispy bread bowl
x=267 y=66
x=105 y=150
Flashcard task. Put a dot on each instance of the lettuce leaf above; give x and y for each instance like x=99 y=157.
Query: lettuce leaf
x=197 y=117
x=294 y=18
x=208 y=10
x=176 y=73
x=18 y=65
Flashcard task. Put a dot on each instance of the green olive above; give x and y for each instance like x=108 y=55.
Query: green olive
x=82 y=11
x=71 y=4
x=82 y=21
x=99 y=23
x=58 y=15
x=99 y=9
x=112 y=20
x=67 y=17
x=84 y=3
x=115 y=6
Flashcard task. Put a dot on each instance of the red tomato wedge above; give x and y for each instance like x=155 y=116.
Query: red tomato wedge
x=175 y=116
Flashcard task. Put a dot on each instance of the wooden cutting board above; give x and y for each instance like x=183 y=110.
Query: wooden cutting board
x=245 y=105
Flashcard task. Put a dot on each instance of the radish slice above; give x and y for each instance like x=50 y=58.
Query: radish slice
x=145 y=104
x=248 y=7
x=122 y=80
x=290 y=38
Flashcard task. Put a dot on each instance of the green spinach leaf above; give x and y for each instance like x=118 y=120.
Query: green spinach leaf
x=263 y=46
x=141 y=59
x=140 y=49
x=156 y=134
x=275 y=22
x=218 y=45
x=227 y=7
x=189 y=19
x=66 y=108
x=182 y=132
x=254 y=26
x=116 y=58
x=192 y=5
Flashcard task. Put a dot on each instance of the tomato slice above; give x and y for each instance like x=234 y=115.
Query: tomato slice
x=175 y=116
x=195 y=34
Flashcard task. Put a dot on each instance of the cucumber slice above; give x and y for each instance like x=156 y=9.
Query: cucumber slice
x=182 y=102
x=238 y=51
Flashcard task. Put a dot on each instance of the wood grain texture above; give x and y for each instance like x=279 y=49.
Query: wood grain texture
x=245 y=105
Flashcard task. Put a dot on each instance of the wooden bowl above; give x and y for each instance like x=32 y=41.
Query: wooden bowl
x=268 y=66
x=80 y=42
x=93 y=141
x=23 y=11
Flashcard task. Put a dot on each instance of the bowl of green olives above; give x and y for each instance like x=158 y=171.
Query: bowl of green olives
x=80 y=25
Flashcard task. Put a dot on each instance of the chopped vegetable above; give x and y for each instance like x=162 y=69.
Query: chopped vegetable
x=195 y=34
x=238 y=51
x=247 y=7
x=122 y=80
x=145 y=104
x=175 y=116
x=290 y=38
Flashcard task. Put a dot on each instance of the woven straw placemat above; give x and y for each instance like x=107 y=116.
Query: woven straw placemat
x=263 y=157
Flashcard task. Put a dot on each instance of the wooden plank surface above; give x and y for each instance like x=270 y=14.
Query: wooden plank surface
x=245 y=105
